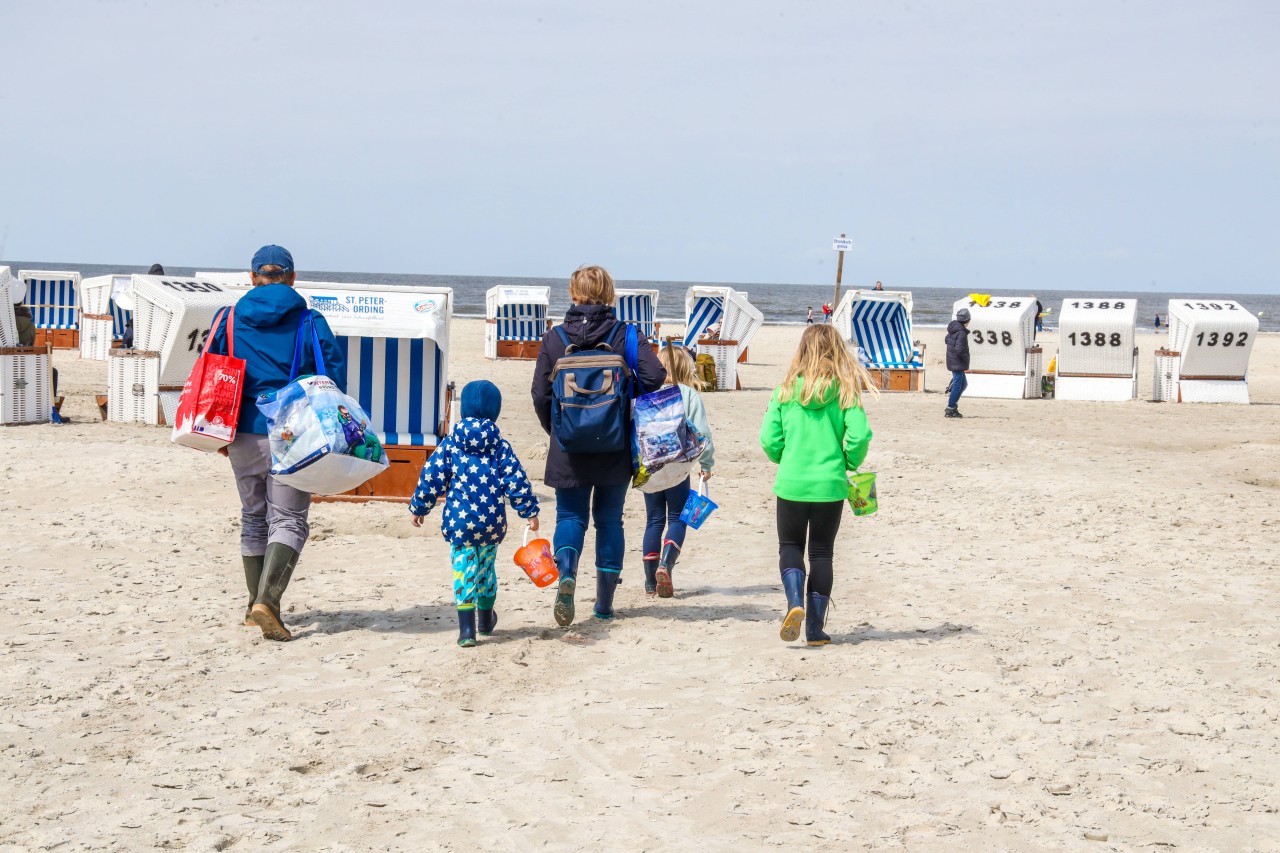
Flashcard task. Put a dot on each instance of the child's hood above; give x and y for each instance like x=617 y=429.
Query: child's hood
x=821 y=401
x=477 y=436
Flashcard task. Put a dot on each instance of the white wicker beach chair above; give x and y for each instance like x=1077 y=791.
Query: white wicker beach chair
x=1097 y=354
x=1003 y=359
x=52 y=298
x=639 y=307
x=1211 y=340
x=515 y=321
x=879 y=321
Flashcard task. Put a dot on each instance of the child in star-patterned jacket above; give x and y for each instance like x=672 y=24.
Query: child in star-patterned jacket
x=474 y=468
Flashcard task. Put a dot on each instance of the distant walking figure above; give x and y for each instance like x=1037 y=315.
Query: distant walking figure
x=957 y=360
x=1157 y=321
x=809 y=319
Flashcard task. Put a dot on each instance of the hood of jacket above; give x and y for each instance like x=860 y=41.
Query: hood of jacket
x=269 y=305
x=956 y=326
x=587 y=325
x=477 y=437
x=823 y=400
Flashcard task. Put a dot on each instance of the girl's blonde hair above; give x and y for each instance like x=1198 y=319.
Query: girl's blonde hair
x=822 y=361
x=679 y=365
x=591 y=285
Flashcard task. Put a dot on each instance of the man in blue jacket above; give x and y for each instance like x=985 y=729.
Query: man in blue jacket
x=273 y=516
x=957 y=360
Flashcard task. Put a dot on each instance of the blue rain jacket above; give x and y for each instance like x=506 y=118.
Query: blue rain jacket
x=266 y=326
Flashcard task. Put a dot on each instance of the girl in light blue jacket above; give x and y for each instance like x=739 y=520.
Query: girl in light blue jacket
x=663 y=527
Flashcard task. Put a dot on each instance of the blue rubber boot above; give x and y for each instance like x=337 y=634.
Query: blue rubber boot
x=606 y=585
x=567 y=563
x=466 y=628
x=650 y=574
x=816 y=619
x=793 y=586
x=486 y=618
x=666 y=565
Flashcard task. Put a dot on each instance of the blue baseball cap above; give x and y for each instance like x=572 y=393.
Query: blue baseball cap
x=272 y=256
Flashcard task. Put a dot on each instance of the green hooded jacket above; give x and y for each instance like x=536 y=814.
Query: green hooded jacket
x=814 y=446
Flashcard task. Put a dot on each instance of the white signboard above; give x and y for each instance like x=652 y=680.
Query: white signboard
x=379 y=313
x=842 y=244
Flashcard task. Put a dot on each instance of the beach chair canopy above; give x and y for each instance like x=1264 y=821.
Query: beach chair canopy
x=705 y=307
x=396 y=343
x=1096 y=337
x=1215 y=338
x=8 y=321
x=235 y=279
x=999 y=333
x=98 y=296
x=172 y=316
x=879 y=323
x=520 y=312
x=52 y=298
x=637 y=306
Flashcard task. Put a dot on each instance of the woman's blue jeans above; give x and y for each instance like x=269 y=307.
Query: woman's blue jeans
x=603 y=505
x=959 y=382
x=662 y=512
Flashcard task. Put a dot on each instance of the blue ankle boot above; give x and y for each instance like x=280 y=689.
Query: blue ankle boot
x=486 y=619
x=606 y=585
x=793 y=586
x=466 y=628
x=567 y=563
x=816 y=619
x=650 y=574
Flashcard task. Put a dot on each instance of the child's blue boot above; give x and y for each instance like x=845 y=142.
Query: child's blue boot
x=666 y=565
x=650 y=574
x=567 y=563
x=467 y=628
x=816 y=619
x=486 y=618
x=793 y=586
x=606 y=585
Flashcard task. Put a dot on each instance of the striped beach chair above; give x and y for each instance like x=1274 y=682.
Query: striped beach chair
x=52 y=298
x=639 y=307
x=878 y=323
x=735 y=322
x=515 y=321
x=396 y=343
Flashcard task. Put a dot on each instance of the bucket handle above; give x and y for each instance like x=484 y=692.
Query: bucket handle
x=702 y=487
x=526 y=535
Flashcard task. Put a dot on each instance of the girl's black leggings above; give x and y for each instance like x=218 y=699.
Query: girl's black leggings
x=817 y=523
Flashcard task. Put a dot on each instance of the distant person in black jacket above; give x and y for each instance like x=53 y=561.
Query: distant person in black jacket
x=590 y=487
x=957 y=359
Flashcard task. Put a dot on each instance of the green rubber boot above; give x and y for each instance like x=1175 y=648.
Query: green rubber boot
x=252 y=577
x=277 y=569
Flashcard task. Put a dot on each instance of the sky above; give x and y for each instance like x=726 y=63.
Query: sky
x=1001 y=144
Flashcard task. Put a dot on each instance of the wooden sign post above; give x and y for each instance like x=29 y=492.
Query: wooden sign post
x=841 y=245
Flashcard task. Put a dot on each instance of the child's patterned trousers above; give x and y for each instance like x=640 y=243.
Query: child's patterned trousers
x=474 y=576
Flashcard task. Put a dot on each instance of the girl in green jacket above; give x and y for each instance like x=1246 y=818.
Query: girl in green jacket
x=816 y=432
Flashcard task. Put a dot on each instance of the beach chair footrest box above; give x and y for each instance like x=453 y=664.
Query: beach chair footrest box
x=58 y=338
x=133 y=387
x=394 y=484
x=526 y=350
x=26 y=393
x=898 y=379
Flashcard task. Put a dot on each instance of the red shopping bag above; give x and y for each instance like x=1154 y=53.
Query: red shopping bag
x=210 y=403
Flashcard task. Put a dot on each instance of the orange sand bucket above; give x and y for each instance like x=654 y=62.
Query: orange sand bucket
x=536 y=560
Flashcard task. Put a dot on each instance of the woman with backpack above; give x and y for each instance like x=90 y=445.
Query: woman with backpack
x=582 y=385
x=663 y=508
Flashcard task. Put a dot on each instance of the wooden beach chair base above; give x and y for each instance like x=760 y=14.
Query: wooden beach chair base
x=522 y=350
x=898 y=379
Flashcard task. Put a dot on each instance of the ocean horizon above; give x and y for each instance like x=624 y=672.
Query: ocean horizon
x=781 y=304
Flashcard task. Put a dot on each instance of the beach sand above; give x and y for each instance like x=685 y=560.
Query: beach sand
x=1059 y=632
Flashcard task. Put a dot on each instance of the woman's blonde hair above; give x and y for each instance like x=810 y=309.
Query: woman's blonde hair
x=822 y=361
x=679 y=365
x=591 y=285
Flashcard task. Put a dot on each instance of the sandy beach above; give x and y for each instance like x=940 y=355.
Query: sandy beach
x=1059 y=633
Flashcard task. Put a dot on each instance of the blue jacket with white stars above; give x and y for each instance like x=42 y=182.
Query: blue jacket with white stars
x=474 y=468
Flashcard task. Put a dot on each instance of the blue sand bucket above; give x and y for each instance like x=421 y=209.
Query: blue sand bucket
x=697 y=507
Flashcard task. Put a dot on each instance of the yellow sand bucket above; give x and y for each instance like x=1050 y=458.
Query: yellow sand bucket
x=862 y=493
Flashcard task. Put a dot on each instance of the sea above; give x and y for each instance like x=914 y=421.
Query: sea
x=782 y=304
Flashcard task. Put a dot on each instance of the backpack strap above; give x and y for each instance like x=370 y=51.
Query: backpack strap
x=568 y=345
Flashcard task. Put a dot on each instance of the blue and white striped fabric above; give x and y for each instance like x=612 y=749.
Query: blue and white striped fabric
x=521 y=322
x=399 y=382
x=53 y=302
x=637 y=308
x=707 y=311
x=883 y=330
x=120 y=319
